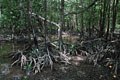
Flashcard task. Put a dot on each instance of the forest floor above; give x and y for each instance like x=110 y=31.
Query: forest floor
x=77 y=70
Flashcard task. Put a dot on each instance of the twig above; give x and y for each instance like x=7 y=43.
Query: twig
x=15 y=62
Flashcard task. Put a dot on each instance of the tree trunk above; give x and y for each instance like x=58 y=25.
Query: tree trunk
x=103 y=18
x=61 y=26
x=114 y=14
x=30 y=27
x=82 y=19
x=45 y=22
x=108 y=21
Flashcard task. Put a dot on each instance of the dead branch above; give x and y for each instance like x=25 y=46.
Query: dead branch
x=42 y=18
x=15 y=62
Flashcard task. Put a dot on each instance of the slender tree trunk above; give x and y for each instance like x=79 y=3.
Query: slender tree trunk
x=114 y=14
x=82 y=20
x=30 y=27
x=61 y=25
x=103 y=18
x=28 y=18
x=45 y=23
x=108 y=21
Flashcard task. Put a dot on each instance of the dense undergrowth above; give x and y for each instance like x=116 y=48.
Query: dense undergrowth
x=98 y=52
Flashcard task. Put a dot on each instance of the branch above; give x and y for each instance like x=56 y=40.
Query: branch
x=42 y=18
x=86 y=8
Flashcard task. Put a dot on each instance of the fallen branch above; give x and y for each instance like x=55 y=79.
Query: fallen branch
x=16 y=61
x=42 y=18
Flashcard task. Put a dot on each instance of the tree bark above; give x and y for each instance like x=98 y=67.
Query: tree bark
x=114 y=15
x=103 y=18
x=61 y=26
x=108 y=21
x=30 y=27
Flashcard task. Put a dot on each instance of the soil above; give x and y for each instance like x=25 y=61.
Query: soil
x=77 y=70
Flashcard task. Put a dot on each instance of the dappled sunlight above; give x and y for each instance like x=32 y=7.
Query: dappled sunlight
x=76 y=60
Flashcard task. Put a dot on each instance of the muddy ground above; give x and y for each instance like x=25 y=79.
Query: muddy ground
x=79 y=70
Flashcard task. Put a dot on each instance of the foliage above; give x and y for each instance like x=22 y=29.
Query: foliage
x=5 y=48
